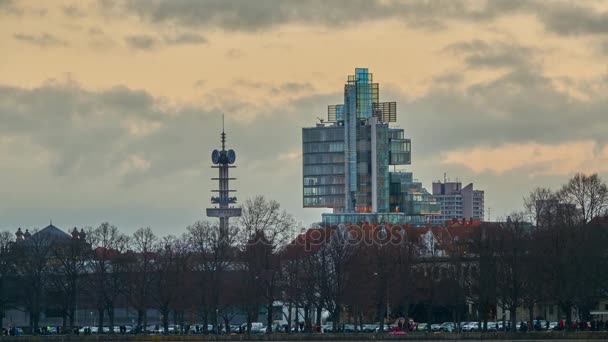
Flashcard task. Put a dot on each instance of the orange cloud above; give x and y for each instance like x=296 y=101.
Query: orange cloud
x=546 y=159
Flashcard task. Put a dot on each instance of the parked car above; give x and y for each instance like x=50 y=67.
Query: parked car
x=256 y=328
x=553 y=325
x=387 y=327
x=436 y=327
x=348 y=328
x=421 y=326
x=370 y=327
x=471 y=326
x=447 y=327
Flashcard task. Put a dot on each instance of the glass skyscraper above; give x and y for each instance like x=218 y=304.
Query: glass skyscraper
x=346 y=161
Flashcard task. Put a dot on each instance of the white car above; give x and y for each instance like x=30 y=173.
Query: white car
x=471 y=326
x=447 y=326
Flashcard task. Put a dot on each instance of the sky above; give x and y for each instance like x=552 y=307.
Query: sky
x=109 y=110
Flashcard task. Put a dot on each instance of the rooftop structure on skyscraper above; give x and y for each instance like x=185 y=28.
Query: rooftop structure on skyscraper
x=346 y=161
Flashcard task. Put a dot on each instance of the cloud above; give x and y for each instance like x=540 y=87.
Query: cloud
x=44 y=40
x=123 y=155
x=73 y=11
x=559 y=17
x=10 y=7
x=519 y=105
x=491 y=55
x=293 y=87
x=561 y=159
x=570 y=19
x=150 y=42
x=186 y=38
x=142 y=42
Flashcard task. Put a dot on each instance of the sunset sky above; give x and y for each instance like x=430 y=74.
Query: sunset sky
x=109 y=110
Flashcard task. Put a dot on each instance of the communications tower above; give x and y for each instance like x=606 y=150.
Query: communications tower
x=223 y=161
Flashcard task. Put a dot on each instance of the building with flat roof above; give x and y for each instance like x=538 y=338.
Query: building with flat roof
x=346 y=160
x=457 y=202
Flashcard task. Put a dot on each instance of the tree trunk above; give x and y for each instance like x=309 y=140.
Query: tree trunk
x=111 y=317
x=307 y=318
x=145 y=313
x=269 y=317
x=289 y=307
x=100 y=322
x=249 y=321
x=165 y=312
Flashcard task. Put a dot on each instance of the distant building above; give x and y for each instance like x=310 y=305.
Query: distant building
x=457 y=202
x=346 y=160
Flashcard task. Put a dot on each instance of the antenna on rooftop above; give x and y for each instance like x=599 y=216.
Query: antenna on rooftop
x=223 y=134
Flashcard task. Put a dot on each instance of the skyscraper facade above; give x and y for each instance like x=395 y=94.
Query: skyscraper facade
x=346 y=160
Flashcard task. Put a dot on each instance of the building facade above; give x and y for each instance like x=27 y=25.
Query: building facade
x=346 y=161
x=457 y=202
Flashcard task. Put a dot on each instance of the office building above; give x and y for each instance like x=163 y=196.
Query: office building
x=346 y=160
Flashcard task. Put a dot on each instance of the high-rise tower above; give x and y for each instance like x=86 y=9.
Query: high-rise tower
x=346 y=161
x=223 y=161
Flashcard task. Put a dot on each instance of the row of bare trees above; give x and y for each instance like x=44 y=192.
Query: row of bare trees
x=554 y=252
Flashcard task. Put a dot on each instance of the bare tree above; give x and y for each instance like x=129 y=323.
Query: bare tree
x=332 y=264
x=170 y=266
x=541 y=206
x=107 y=267
x=214 y=253
x=264 y=229
x=511 y=248
x=71 y=258
x=31 y=265
x=589 y=194
x=141 y=272
x=6 y=269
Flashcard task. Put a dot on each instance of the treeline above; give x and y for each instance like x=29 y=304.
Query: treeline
x=555 y=251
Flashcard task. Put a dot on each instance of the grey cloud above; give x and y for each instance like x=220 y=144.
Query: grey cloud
x=150 y=42
x=44 y=40
x=236 y=15
x=73 y=11
x=186 y=38
x=575 y=19
x=520 y=106
x=293 y=87
x=142 y=42
x=10 y=7
x=560 y=17
x=481 y=54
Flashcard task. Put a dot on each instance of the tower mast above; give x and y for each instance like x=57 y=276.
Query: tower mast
x=223 y=161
